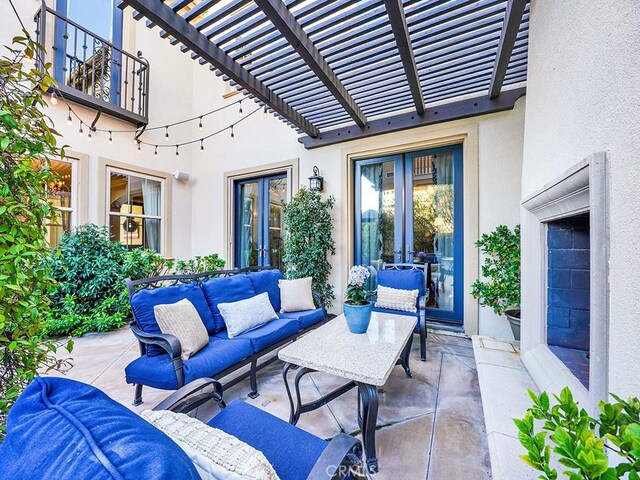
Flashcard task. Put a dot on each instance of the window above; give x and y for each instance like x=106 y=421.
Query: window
x=62 y=196
x=135 y=209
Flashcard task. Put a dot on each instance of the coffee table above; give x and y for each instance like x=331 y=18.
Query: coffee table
x=366 y=360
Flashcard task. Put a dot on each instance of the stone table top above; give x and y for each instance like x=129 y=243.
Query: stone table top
x=366 y=358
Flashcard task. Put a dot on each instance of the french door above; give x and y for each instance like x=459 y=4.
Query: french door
x=259 y=222
x=409 y=210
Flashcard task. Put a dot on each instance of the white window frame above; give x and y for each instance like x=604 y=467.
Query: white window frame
x=163 y=214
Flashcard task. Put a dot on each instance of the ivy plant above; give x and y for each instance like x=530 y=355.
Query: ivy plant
x=579 y=440
x=27 y=143
x=501 y=269
x=309 y=241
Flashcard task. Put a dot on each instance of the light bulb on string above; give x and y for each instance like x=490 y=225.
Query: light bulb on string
x=110 y=137
x=54 y=98
x=202 y=145
x=240 y=112
x=89 y=136
x=80 y=131
x=200 y=124
x=233 y=137
x=166 y=133
x=69 y=119
x=139 y=146
x=155 y=152
x=177 y=151
x=265 y=113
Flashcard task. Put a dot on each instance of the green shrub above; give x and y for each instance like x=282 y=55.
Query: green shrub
x=27 y=142
x=199 y=264
x=309 y=241
x=580 y=440
x=501 y=268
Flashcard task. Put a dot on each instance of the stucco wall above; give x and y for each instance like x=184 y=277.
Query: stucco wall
x=583 y=96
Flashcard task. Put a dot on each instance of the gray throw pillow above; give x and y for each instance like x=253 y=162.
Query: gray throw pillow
x=245 y=315
x=181 y=319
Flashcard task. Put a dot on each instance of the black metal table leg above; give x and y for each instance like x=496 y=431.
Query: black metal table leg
x=368 y=395
x=404 y=357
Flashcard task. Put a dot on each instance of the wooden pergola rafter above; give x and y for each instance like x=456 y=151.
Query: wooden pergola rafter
x=337 y=70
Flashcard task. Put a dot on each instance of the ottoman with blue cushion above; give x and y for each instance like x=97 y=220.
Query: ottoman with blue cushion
x=62 y=429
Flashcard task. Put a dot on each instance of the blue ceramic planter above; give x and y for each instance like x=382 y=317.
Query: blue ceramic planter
x=358 y=317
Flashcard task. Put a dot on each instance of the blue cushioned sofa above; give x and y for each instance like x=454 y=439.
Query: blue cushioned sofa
x=66 y=430
x=408 y=277
x=160 y=364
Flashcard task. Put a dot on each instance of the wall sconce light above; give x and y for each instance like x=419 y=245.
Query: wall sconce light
x=316 y=181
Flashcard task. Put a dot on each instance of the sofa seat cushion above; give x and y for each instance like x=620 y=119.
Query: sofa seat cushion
x=307 y=318
x=143 y=301
x=225 y=290
x=219 y=354
x=63 y=429
x=410 y=279
x=292 y=451
x=266 y=335
x=266 y=281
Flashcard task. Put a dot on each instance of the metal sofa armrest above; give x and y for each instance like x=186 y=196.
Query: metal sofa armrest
x=343 y=456
x=318 y=298
x=192 y=395
x=166 y=341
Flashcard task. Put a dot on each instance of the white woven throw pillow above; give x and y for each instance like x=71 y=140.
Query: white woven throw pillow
x=295 y=295
x=214 y=453
x=181 y=319
x=245 y=315
x=397 y=299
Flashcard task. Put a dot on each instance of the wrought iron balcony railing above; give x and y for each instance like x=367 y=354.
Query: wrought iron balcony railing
x=93 y=71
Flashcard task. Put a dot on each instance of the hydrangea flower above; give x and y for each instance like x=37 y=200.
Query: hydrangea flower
x=356 y=293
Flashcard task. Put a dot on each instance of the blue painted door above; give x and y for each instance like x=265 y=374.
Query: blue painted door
x=409 y=210
x=259 y=222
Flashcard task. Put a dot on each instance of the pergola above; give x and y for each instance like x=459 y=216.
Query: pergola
x=337 y=70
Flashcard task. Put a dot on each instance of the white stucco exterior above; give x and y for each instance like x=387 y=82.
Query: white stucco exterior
x=582 y=98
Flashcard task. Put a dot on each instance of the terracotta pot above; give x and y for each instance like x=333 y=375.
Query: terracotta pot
x=513 y=315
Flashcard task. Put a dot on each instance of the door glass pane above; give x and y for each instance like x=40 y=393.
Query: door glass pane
x=96 y=16
x=247 y=225
x=277 y=196
x=433 y=225
x=377 y=215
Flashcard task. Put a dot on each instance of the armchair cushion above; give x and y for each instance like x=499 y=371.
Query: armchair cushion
x=267 y=281
x=410 y=279
x=143 y=301
x=64 y=429
x=292 y=451
x=225 y=290
x=306 y=318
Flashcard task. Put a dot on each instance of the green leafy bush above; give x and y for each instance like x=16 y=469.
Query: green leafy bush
x=580 y=440
x=27 y=142
x=90 y=270
x=309 y=241
x=501 y=268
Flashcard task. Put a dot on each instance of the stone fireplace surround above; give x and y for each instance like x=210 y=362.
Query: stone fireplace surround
x=581 y=189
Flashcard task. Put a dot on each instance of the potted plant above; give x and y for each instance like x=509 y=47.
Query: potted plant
x=501 y=270
x=357 y=307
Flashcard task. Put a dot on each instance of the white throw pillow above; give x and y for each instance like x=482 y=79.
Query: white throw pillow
x=397 y=299
x=181 y=319
x=214 y=453
x=245 y=315
x=295 y=295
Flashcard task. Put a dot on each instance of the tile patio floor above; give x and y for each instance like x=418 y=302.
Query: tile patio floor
x=429 y=427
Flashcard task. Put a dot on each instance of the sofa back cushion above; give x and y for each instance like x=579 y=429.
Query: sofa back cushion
x=64 y=429
x=267 y=281
x=143 y=301
x=410 y=279
x=226 y=290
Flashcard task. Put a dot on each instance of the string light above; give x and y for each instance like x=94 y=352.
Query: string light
x=54 y=98
x=139 y=147
x=80 y=132
x=202 y=145
x=110 y=137
x=69 y=119
x=166 y=133
x=200 y=124
x=177 y=151
x=265 y=113
x=240 y=109
x=155 y=152
x=89 y=136
x=233 y=137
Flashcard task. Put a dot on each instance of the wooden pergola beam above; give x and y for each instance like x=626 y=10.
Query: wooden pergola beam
x=510 y=28
x=395 y=10
x=278 y=13
x=164 y=17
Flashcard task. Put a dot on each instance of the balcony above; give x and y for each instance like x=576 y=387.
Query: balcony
x=92 y=71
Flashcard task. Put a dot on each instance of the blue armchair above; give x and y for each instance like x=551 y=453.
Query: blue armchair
x=408 y=277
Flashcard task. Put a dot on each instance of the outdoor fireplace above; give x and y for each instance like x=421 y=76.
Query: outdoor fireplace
x=565 y=282
x=568 y=278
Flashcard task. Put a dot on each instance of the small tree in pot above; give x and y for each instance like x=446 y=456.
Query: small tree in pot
x=501 y=269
